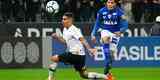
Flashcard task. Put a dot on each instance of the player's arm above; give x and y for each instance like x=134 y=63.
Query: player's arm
x=60 y=38
x=123 y=24
x=78 y=35
x=96 y=27
x=123 y=21
x=85 y=43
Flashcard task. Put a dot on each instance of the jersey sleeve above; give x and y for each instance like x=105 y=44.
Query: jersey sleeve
x=120 y=12
x=97 y=24
x=123 y=23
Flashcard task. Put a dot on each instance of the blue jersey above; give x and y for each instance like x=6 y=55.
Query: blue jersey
x=108 y=19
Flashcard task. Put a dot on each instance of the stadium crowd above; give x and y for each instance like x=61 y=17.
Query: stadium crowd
x=85 y=10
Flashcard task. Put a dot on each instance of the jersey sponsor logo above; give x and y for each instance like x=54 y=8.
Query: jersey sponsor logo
x=110 y=22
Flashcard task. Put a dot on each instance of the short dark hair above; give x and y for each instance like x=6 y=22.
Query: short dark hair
x=69 y=14
x=116 y=1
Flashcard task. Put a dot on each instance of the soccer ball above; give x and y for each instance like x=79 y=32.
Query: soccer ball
x=158 y=19
x=52 y=7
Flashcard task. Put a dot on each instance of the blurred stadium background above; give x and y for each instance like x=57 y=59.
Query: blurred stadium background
x=25 y=42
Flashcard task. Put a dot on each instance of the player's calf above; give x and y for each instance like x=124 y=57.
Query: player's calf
x=92 y=75
x=51 y=70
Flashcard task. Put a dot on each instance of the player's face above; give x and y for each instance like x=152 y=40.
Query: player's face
x=66 y=21
x=111 y=4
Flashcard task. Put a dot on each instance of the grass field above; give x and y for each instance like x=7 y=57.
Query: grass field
x=70 y=74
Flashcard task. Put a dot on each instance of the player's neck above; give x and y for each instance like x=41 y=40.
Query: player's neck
x=69 y=26
x=111 y=8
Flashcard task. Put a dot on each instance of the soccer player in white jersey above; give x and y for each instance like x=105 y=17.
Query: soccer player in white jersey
x=75 y=54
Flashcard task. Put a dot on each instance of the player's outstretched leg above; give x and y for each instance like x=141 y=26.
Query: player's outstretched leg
x=92 y=75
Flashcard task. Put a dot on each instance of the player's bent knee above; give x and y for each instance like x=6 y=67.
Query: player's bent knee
x=54 y=58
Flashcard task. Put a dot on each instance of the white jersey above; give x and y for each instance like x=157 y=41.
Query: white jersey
x=72 y=36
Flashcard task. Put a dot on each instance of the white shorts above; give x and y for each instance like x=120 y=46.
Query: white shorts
x=106 y=33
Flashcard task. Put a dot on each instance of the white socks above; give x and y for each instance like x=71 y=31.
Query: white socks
x=94 y=75
x=52 y=68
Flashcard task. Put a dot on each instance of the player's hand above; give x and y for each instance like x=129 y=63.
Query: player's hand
x=93 y=51
x=93 y=38
x=54 y=35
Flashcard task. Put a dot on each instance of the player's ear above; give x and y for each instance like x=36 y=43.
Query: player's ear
x=71 y=19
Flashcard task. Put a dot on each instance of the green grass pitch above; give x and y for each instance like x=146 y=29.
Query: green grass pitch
x=70 y=74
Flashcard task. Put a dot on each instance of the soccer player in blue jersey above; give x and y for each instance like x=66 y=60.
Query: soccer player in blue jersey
x=110 y=22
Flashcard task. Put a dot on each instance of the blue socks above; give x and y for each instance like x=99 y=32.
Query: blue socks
x=106 y=48
x=108 y=58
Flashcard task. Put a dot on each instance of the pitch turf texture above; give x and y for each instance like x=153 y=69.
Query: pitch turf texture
x=70 y=74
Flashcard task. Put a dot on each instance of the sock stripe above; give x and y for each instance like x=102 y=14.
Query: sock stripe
x=115 y=42
x=53 y=70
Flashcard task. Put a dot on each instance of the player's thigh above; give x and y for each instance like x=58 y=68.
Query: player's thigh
x=106 y=36
x=78 y=63
x=65 y=57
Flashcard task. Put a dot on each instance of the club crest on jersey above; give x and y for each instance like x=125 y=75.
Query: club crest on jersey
x=109 y=16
